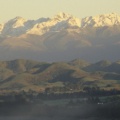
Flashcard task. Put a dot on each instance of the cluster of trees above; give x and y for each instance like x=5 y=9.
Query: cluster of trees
x=92 y=94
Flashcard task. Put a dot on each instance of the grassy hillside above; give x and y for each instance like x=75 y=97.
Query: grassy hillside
x=17 y=75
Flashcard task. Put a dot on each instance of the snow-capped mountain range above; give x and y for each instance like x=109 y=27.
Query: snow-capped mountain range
x=19 y=25
x=61 y=37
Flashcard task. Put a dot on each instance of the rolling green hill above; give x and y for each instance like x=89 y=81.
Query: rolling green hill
x=17 y=75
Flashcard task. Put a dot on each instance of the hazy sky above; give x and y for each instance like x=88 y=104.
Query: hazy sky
x=34 y=9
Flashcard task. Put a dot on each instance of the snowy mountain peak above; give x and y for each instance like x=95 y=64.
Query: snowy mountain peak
x=14 y=27
x=62 y=15
x=113 y=14
x=101 y=20
x=18 y=18
x=17 y=22
x=109 y=16
x=57 y=23
x=14 y=23
x=40 y=20
x=73 y=21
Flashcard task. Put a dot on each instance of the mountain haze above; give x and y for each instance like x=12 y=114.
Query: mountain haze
x=62 y=37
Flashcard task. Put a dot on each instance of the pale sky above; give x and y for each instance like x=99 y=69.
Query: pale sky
x=34 y=9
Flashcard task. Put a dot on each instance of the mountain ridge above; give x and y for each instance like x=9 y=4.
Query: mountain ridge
x=62 y=37
x=59 y=19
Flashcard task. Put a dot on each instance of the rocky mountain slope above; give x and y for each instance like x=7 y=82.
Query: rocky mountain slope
x=62 y=37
